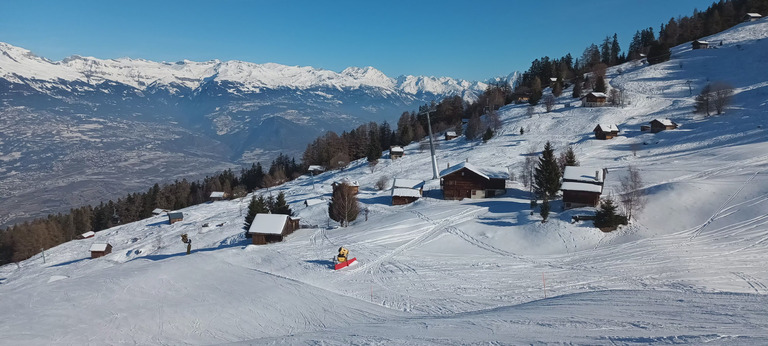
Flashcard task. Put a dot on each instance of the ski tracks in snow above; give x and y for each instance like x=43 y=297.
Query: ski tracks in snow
x=722 y=207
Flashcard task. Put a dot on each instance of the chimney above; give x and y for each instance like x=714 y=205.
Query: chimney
x=597 y=176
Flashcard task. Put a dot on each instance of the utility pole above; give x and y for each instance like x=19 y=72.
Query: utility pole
x=431 y=143
x=43 y=250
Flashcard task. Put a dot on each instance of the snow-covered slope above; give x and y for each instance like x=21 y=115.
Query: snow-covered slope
x=16 y=62
x=689 y=269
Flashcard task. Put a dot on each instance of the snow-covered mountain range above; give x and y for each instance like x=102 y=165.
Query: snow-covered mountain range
x=688 y=269
x=170 y=120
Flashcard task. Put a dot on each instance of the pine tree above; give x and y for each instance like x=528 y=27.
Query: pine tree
x=281 y=206
x=577 y=89
x=615 y=50
x=536 y=92
x=606 y=216
x=557 y=89
x=544 y=211
x=547 y=175
x=659 y=52
x=567 y=158
x=600 y=84
x=343 y=207
x=257 y=206
x=488 y=134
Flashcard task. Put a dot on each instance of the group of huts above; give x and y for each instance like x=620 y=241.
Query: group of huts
x=609 y=131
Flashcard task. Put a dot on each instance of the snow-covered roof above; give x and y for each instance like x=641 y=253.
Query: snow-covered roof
x=347 y=181
x=268 y=224
x=99 y=247
x=217 y=194
x=608 y=127
x=88 y=234
x=753 y=15
x=585 y=174
x=158 y=211
x=316 y=168
x=702 y=41
x=396 y=149
x=451 y=133
x=586 y=187
x=598 y=94
x=665 y=122
x=485 y=172
x=405 y=192
x=407 y=183
x=553 y=79
x=313 y=201
x=176 y=215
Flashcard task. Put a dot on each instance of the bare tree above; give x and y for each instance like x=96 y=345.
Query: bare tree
x=549 y=102
x=381 y=184
x=526 y=172
x=344 y=206
x=631 y=192
x=713 y=97
x=372 y=165
x=494 y=121
x=529 y=111
x=615 y=97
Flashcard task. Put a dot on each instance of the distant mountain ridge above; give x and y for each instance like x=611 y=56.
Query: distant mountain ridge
x=161 y=120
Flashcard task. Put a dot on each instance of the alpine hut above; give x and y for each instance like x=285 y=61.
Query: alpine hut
x=270 y=228
x=467 y=181
x=405 y=191
x=606 y=131
x=582 y=186
x=100 y=249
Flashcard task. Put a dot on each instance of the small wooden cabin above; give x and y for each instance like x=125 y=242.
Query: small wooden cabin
x=751 y=17
x=582 y=186
x=658 y=125
x=595 y=99
x=175 y=217
x=87 y=235
x=270 y=228
x=606 y=131
x=159 y=211
x=396 y=152
x=294 y=222
x=217 y=196
x=467 y=181
x=405 y=191
x=700 y=44
x=346 y=181
x=100 y=249
x=450 y=135
x=315 y=169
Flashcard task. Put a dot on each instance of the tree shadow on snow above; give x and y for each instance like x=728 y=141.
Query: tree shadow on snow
x=164 y=222
x=322 y=263
x=70 y=262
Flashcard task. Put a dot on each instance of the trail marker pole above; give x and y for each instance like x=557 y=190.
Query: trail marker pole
x=544 y=282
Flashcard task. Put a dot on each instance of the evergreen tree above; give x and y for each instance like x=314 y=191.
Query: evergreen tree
x=567 y=158
x=615 y=50
x=577 y=88
x=606 y=216
x=557 y=89
x=374 y=150
x=536 y=92
x=257 y=206
x=547 y=174
x=544 y=211
x=281 y=206
x=600 y=84
x=659 y=52
x=474 y=127
x=488 y=134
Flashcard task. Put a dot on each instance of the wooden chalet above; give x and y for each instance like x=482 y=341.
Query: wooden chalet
x=700 y=44
x=606 y=131
x=100 y=249
x=294 y=222
x=396 y=152
x=658 y=125
x=270 y=228
x=175 y=217
x=405 y=191
x=87 y=235
x=450 y=135
x=582 y=186
x=346 y=181
x=467 y=181
x=751 y=17
x=217 y=196
x=594 y=99
x=159 y=211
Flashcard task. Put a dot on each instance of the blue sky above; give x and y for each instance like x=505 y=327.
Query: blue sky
x=462 y=39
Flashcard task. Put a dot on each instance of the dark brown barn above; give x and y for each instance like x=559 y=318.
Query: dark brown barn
x=87 y=235
x=751 y=17
x=582 y=186
x=270 y=228
x=699 y=44
x=218 y=196
x=405 y=191
x=100 y=249
x=465 y=181
x=450 y=135
x=658 y=125
x=294 y=222
x=175 y=217
x=595 y=99
x=606 y=131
